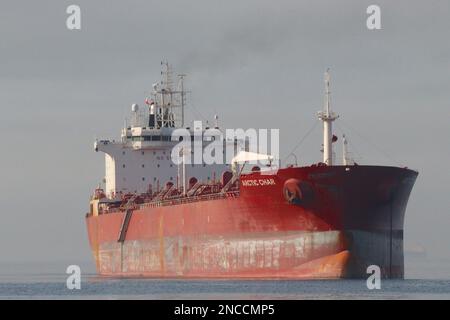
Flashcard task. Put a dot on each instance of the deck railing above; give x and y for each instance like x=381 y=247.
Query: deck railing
x=176 y=201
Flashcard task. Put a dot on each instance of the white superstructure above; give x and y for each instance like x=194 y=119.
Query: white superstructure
x=141 y=161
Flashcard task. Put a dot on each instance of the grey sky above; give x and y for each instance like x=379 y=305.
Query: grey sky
x=256 y=63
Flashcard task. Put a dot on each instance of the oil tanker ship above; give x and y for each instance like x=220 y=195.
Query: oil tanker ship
x=157 y=218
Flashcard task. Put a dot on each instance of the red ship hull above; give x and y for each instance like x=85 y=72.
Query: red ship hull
x=300 y=223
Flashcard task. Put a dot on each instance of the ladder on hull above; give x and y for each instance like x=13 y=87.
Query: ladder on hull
x=125 y=223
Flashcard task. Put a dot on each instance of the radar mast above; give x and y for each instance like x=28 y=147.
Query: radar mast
x=327 y=116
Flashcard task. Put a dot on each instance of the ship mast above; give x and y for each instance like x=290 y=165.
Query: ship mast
x=327 y=116
x=170 y=103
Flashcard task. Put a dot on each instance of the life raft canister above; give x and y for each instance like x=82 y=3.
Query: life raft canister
x=297 y=192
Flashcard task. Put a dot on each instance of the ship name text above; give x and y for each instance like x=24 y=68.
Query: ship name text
x=258 y=182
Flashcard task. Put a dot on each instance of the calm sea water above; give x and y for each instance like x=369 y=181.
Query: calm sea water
x=17 y=283
x=54 y=287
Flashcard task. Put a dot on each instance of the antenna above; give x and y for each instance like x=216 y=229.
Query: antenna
x=346 y=159
x=327 y=79
x=167 y=73
x=183 y=96
x=344 y=150
x=327 y=117
x=216 y=121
